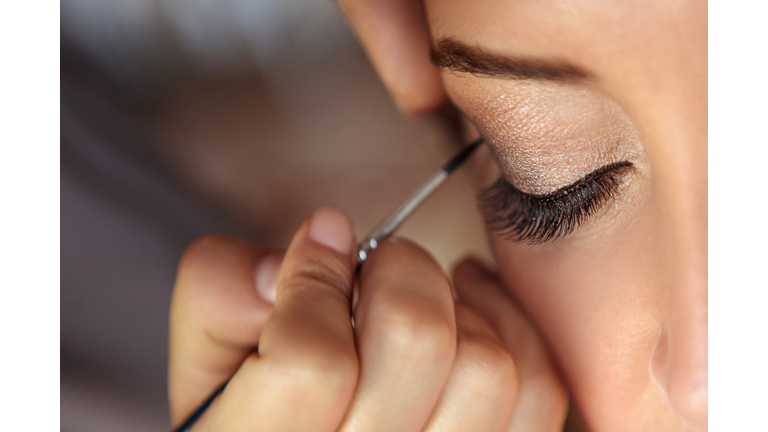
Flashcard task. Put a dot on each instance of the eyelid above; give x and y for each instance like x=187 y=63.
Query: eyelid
x=536 y=219
x=618 y=167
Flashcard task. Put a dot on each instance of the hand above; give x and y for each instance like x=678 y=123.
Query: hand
x=542 y=400
x=419 y=362
x=305 y=371
x=395 y=35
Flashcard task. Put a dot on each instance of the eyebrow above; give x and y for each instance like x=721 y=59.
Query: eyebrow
x=458 y=57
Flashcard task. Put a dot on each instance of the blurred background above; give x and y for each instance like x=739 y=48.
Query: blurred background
x=185 y=117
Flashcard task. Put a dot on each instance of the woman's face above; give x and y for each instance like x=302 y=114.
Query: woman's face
x=595 y=115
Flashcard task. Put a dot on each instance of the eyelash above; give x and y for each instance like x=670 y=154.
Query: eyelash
x=536 y=219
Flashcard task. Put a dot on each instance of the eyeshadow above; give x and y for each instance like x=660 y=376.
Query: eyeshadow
x=546 y=136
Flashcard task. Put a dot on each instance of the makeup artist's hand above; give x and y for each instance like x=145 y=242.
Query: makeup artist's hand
x=415 y=361
x=395 y=35
x=542 y=398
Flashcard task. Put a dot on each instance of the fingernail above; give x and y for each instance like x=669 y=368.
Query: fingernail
x=331 y=228
x=266 y=277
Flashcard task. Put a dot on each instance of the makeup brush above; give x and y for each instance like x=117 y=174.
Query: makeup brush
x=381 y=232
x=389 y=225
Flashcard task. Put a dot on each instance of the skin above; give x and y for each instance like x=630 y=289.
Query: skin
x=622 y=301
x=416 y=360
x=615 y=312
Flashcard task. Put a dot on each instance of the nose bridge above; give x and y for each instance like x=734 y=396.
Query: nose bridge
x=670 y=96
x=688 y=322
x=686 y=300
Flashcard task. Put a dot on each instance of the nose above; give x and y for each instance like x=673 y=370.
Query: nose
x=679 y=363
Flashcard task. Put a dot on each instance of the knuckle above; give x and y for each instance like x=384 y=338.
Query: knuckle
x=490 y=365
x=203 y=248
x=551 y=388
x=415 y=323
x=398 y=251
x=320 y=272
x=204 y=259
x=328 y=371
x=193 y=288
x=212 y=271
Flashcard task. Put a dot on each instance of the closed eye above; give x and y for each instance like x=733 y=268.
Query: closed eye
x=536 y=219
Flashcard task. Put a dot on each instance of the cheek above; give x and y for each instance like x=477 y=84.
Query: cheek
x=596 y=303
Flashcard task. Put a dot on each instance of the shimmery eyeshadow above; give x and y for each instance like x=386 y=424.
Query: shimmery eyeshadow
x=546 y=136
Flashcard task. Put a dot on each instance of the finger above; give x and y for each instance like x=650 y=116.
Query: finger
x=406 y=332
x=542 y=400
x=481 y=393
x=216 y=316
x=305 y=372
x=394 y=33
